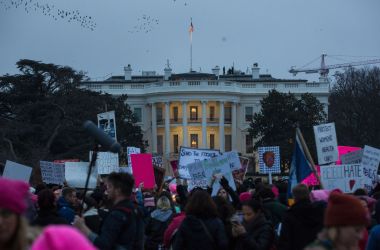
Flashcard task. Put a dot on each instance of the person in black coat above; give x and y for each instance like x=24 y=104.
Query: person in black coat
x=302 y=222
x=256 y=232
x=201 y=229
x=47 y=210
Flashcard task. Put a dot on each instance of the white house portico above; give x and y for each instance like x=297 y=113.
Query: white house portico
x=198 y=109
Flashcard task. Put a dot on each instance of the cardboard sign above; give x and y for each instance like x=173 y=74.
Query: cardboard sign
x=132 y=150
x=107 y=123
x=327 y=145
x=370 y=164
x=106 y=162
x=52 y=173
x=233 y=159
x=17 y=171
x=269 y=160
x=142 y=168
x=354 y=157
x=347 y=178
x=76 y=174
x=191 y=155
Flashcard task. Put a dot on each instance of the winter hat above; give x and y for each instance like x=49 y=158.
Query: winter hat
x=13 y=195
x=61 y=238
x=345 y=210
x=245 y=196
x=319 y=195
x=149 y=202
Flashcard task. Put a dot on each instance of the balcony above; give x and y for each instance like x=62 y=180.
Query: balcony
x=179 y=121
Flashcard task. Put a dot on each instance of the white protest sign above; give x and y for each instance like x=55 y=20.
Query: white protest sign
x=327 y=145
x=125 y=169
x=106 y=162
x=107 y=123
x=233 y=159
x=353 y=157
x=132 y=150
x=76 y=174
x=347 y=178
x=157 y=161
x=17 y=171
x=52 y=173
x=269 y=160
x=191 y=155
x=370 y=164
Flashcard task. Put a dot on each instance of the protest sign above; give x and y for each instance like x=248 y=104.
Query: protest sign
x=269 y=160
x=132 y=150
x=326 y=142
x=233 y=159
x=107 y=123
x=106 y=162
x=142 y=168
x=66 y=160
x=157 y=161
x=190 y=155
x=174 y=165
x=353 y=157
x=52 y=173
x=240 y=173
x=17 y=171
x=370 y=164
x=347 y=178
x=125 y=169
x=76 y=174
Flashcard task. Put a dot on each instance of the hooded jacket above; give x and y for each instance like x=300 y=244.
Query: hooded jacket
x=156 y=226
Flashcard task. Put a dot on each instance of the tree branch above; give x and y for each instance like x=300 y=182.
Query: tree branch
x=10 y=143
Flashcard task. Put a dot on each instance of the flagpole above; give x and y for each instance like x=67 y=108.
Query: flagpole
x=191 y=44
x=308 y=155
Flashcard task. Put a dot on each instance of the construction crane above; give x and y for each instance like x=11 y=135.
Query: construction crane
x=324 y=69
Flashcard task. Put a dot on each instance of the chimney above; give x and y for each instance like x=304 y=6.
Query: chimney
x=128 y=73
x=255 y=71
x=167 y=71
x=215 y=71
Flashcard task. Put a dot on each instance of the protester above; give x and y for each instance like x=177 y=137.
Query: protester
x=66 y=204
x=201 y=229
x=256 y=232
x=13 y=226
x=344 y=223
x=302 y=222
x=374 y=239
x=225 y=213
x=47 y=210
x=157 y=223
x=62 y=238
x=122 y=227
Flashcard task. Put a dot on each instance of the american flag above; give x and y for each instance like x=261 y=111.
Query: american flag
x=191 y=28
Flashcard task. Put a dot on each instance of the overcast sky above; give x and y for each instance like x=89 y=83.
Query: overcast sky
x=277 y=34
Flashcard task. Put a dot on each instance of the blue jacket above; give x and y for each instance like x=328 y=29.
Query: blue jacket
x=65 y=210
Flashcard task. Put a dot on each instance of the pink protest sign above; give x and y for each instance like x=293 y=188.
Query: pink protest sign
x=143 y=170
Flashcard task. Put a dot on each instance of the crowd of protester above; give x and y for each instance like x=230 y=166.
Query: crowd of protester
x=256 y=216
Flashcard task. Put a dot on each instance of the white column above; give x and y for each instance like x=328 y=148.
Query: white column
x=184 y=125
x=221 y=126
x=233 y=126
x=154 y=129
x=167 y=128
x=204 y=124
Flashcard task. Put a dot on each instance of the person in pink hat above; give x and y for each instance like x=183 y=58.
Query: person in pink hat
x=13 y=225
x=62 y=238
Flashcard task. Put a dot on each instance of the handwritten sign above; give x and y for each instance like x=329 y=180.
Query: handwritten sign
x=17 y=171
x=327 y=145
x=157 y=161
x=233 y=159
x=76 y=174
x=269 y=160
x=354 y=157
x=347 y=178
x=370 y=164
x=191 y=155
x=132 y=150
x=52 y=173
x=107 y=162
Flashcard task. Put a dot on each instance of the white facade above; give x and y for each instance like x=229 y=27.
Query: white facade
x=200 y=110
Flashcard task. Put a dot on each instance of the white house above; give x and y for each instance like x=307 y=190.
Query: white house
x=202 y=110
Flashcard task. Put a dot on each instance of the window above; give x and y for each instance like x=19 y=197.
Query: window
x=159 y=115
x=248 y=114
x=227 y=143
x=193 y=113
x=175 y=114
x=227 y=114
x=212 y=141
x=138 y=114
x=248 y=144
x=212 y=113
x=194 y=140
x=160 y=144
x=175 y=143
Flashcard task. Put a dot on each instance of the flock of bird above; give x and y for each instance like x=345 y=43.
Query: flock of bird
x=50 y=11
x=144 y=24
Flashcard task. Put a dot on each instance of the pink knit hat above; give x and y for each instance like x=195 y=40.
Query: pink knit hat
x=62 y=238
x=319 y=195
x=245 y=196
x=13 y=195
